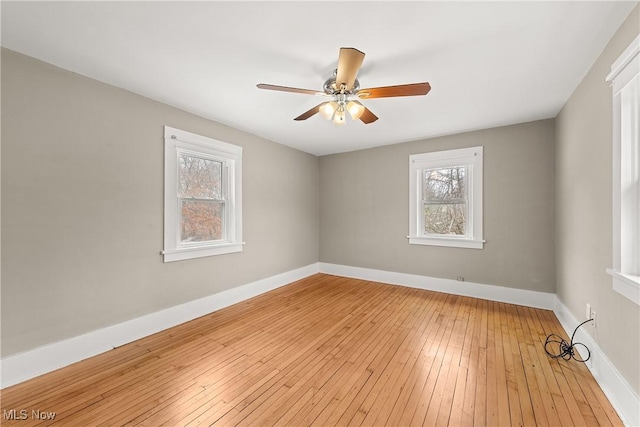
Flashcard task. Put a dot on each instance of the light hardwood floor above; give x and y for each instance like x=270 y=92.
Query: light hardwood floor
x=327 y=351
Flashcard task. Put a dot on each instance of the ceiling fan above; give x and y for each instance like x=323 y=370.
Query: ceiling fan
x=345 y=90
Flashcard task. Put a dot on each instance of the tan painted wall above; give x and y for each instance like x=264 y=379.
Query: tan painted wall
x=584 y=211
x=82 y=207
x=364 y=209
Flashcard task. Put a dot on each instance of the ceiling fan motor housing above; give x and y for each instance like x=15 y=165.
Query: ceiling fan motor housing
x=330 y=86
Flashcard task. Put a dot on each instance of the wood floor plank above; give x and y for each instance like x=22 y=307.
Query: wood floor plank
x=512 y=388
x=468 y=408
x=389 y=308
x=504 y=417
x=317 y=383
x=492 y=397
x=391 y=402
x=387 y=347
x=442 y=411
x=381 y=400
x=543 y=387
x=420 y=397
x=329 y=350
x=524 y=397
x=405 y=402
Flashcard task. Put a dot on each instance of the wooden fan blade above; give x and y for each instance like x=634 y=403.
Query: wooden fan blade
x=289 y=89
x=309 y=113
x=349 y=63
x=368 y=117
x=390 y=91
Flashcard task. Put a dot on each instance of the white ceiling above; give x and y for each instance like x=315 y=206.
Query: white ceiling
x=489 y=63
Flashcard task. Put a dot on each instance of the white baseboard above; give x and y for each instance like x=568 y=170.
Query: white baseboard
x=622 y=397
x=524 y=297
x=23 y=366
x=29 y=364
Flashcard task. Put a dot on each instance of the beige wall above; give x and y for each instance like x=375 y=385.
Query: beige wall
x=364 y=209
x=82 y=207
x=584 y=211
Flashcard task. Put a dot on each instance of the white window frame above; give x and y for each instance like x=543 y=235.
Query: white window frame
x=471 y=157
x=625 y=81
x=176 y=143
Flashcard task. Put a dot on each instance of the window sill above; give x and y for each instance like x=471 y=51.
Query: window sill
x=446 y=241
x=200 y=252
x=626 y=285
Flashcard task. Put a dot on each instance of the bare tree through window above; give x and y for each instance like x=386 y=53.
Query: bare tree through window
x=445 y=200
x=200 y=193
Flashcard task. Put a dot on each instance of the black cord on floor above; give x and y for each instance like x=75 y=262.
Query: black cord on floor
x=556 y=346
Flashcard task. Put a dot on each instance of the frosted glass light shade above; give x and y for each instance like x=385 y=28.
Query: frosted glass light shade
x=327 y=109
x=355 y=109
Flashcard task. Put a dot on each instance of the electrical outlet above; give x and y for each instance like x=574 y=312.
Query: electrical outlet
x=460 y=279
x=587 y=312
x=593 y=316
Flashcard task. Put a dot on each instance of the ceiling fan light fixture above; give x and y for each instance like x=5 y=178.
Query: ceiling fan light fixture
x=328 y=109
x=343 y=87
x=340 y=118
x=355 y=109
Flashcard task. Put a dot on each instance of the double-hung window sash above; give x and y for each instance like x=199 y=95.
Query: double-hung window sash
x=202 y=198
x=445 y=201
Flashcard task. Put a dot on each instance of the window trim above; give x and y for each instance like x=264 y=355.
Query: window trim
x=623 y=71
x=177 y=142
x=472 y=157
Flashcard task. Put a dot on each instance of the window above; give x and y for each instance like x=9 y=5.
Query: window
x=445 y=203
x=202 y=197
x=625 y=80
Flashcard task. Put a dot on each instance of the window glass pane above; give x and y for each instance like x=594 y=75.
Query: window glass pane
x=445 y=183
x=445 y=219
x=200 y=221
x=630 y=178
x=199 y=178
x=445 y=200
